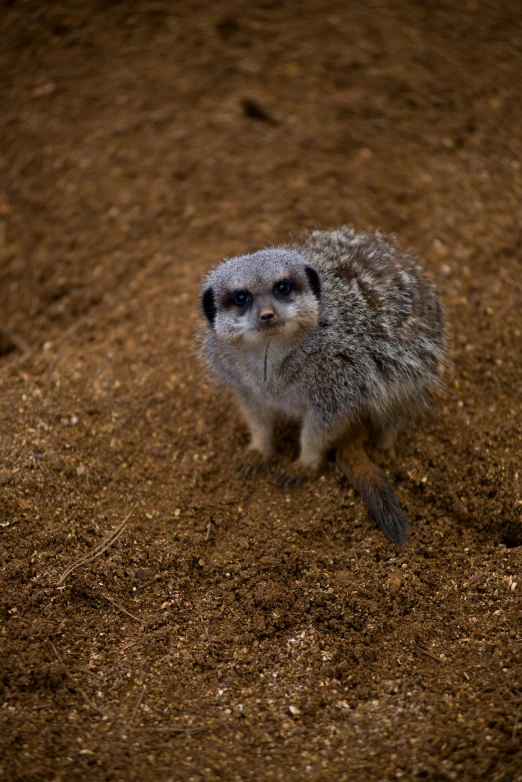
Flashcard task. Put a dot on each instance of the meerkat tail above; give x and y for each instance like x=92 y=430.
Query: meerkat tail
x=374 y=487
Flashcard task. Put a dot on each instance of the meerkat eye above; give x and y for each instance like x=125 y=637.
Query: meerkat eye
x=284 y=287
x=241 y=298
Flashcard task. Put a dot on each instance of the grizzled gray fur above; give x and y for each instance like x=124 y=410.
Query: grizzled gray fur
x=341 y=332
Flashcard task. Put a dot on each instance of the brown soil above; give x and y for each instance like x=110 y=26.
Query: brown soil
x=234 y=632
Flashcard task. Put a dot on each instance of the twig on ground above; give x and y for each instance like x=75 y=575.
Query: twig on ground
x=127 y=727
x=478 y=576
x=113 y=537
x=82 y=693
x=121 y=608
x=514 y=283
x=84 y=670
x=429 y=654
x=174 y=730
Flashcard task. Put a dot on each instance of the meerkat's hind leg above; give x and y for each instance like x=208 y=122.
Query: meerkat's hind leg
x=374 y=487
x=385 y=439
x=385 y=433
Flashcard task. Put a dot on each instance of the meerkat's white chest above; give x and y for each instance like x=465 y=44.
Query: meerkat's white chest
x=261 y=375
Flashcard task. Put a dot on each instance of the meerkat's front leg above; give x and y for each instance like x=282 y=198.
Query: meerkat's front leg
x=315 y=441
x=260 y=420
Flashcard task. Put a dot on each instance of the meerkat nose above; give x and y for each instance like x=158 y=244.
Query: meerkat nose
x=267 y=316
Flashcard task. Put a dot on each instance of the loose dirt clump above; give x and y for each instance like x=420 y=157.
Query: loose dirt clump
x=233 y=631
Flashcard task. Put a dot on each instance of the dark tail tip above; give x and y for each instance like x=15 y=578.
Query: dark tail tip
x=375 y=489
x=386 y=510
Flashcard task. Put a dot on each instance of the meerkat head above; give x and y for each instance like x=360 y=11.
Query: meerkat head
x=270 y=293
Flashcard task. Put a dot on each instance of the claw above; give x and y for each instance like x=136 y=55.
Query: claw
x=287 y=480
x=280 y=480
x=255 y=472
x=251 y=465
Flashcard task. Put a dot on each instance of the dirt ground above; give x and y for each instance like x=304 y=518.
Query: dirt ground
x=231 y=631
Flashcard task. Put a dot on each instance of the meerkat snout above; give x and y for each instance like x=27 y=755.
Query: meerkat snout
x=267 y=317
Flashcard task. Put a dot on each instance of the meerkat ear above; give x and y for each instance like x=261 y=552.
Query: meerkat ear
x=208 y=305
x=315 y=282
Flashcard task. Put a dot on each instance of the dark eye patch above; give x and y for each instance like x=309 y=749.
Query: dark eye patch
x=241 y=298
x=284 y=287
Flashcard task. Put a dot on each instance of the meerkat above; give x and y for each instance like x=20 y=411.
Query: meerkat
x=341 y=332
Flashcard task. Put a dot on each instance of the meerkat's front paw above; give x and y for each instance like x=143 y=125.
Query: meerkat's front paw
x=252 y=464
x=296 y=474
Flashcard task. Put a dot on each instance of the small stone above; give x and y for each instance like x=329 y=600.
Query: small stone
x=364 y=153
x=44 y=90
x=294 y=711
x=80 y=469
x=440 y=248
x=394 y=583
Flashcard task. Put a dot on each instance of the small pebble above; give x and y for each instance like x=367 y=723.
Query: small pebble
x=44 y=90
